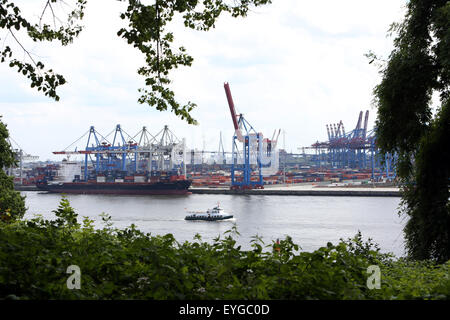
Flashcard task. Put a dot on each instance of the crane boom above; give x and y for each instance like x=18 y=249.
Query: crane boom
x=358 y=125
x=233 y=112
x=343 y=130
x=366 y=119
x=275 y=141
x=340 y=134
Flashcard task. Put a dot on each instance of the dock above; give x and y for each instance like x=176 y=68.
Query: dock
x=288 y=191
x=25 y=188
x=306 y=191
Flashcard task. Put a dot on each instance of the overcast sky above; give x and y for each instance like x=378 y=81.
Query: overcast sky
x=296 y=65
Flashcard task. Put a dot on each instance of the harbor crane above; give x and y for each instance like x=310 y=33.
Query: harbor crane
x=354 y=149
x=125 y=154
x=20 y=156
x=250 y=151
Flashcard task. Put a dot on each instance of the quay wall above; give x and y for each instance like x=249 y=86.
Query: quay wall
x=348 y=192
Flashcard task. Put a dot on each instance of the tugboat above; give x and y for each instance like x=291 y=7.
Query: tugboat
x=214 y=214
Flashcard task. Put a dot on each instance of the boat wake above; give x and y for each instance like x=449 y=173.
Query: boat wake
x=148 y=220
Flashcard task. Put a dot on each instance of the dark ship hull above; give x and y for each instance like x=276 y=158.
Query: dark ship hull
x=179 y=187
x=210 y=218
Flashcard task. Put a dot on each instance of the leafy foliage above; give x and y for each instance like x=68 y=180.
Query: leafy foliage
x=12 y=204
x=7 y=157
x=12 y=20
x=128 y=264
x=418 y=67
x=146 y=32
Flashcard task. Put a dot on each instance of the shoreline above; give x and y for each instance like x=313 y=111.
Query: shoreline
x=292 y=191
x=287 y=191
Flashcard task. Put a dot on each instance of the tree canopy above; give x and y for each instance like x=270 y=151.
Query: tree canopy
x=418 y=69
x=12 y=204
x=144 y=29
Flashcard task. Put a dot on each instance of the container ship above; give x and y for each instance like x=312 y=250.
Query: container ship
x=143 y=164
x=115 y=182
x=177 y=186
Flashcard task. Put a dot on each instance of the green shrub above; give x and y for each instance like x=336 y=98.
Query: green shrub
x=128 y=264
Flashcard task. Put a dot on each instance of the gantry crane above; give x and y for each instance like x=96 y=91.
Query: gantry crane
x=142 y=153
x=20 y=156
x=250 y=151
x=352 y=149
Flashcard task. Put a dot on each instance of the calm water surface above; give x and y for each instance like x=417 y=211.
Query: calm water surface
x=310 y=221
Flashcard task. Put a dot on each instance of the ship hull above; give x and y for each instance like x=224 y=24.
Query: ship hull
x=157 y=188
x=203 y=218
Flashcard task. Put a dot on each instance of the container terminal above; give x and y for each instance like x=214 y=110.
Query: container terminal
x=347 y=158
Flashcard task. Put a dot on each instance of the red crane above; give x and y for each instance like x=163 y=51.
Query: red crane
x=233 y=112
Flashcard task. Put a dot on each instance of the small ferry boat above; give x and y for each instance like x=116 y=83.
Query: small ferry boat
x=214 y=214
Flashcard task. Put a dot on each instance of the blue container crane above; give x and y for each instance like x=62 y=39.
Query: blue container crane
x=244 y=133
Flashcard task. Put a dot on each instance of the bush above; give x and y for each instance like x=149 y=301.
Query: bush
x=128 y=264
x=12 y=204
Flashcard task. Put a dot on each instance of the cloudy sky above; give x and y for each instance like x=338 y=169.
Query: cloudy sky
x=295 y=64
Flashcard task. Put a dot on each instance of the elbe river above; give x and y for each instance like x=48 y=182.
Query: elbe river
x=311 y=221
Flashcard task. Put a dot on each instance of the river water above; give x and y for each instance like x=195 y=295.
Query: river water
x=311 y=221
